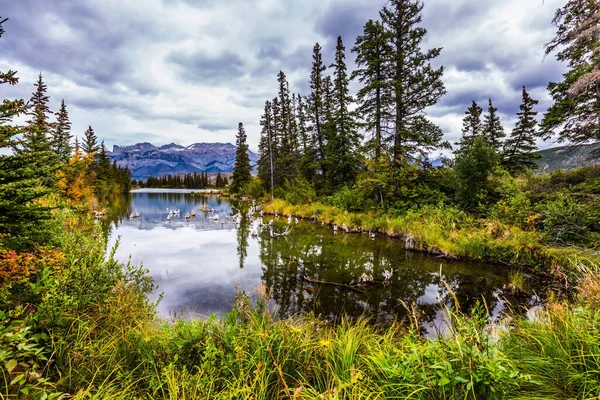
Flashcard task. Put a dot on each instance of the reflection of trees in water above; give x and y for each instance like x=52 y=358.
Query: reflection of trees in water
x=319 y=255
x=120 y=208
x=242 y=233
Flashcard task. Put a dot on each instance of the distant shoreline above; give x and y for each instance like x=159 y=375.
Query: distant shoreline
x=175 y=190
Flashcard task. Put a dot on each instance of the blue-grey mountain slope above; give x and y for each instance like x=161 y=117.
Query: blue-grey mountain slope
x=145 y=159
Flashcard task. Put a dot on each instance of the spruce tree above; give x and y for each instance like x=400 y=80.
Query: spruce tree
x=492 y=128
x=23 y=220
x=316 y=107
x=472 y=126
x=61 y=135
x=36 y=138
x=287 y=159
x=414 y=83
x=372 y=49
x=575 y=114
x=267 y=148
x=345 y=140
x=520 y=150
x=242 y=169
x=90 y=142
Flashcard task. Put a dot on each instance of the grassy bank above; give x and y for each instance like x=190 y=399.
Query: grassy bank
x=448 y=232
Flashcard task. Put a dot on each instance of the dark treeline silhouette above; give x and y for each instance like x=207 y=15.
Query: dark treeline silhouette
x=187 y=181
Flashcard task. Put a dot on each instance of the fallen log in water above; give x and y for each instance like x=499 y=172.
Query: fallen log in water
x=307 y=279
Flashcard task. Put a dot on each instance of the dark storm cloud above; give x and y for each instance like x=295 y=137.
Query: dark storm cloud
x=91 y=49
x=204 y=68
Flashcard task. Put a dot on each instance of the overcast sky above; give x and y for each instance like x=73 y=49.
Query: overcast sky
x=188 y=71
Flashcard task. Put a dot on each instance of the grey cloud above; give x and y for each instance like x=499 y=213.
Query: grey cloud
x=347 y=19
x=95 y=53
x=216 y=126
x=201 y=67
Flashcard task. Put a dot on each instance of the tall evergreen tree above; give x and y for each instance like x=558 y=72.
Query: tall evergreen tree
x=316 y=106
x=520 y=150
x=242 y=169
x=414 y=83
x=372 y=49
x=267 y=148
x=472 y=126
x=36 y=136
x=492 y=128
x=90 y=142
x=287 y=159
x=61 y=135
x=344 y=141
x=22 y=177
x=575 y=114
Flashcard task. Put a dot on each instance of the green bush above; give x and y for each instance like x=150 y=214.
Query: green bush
x=298 y=191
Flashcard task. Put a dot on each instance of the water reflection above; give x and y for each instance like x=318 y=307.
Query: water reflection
x=198 y=262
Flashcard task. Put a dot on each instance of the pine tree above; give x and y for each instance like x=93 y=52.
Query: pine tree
x=61 y=135
x=575 y=114
x=372 y=50
x=90 y=142
x=492 y=128
x=241 y=171
x=23 y=221
x=520 y=150
x=316 y=107
x=36 y=136
x=345 y=140
x=287 y=159
x=472 y=126
x=219 y=181
x=267 y=148
x=414 y=83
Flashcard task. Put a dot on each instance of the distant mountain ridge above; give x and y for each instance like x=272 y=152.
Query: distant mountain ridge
x=145 y=159
x=568 y=157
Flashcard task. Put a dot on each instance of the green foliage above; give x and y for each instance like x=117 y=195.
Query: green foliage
x=567 y=221
x=23 y=358
x=474 y=165
x=347 y=199
x=299 y=191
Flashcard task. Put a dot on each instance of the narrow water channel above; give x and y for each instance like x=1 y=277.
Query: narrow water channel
x=200 y=262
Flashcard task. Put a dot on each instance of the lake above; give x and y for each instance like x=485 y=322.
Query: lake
x=199 y=263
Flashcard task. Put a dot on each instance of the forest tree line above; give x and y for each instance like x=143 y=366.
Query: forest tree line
x=378 y=142
x=186 y=181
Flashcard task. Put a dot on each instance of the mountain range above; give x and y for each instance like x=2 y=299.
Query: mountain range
x=145 y=159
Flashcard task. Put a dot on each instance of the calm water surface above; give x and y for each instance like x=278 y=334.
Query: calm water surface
x=198 y=263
